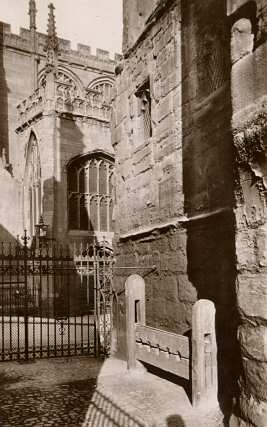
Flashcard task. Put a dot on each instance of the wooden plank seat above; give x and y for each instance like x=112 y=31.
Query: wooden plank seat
x=194 y=359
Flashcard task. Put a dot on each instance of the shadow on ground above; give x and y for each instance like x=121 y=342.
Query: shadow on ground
x=52 y=392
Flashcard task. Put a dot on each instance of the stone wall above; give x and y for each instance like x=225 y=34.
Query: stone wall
x=249 y=123
x=208 y=181
x=190 y=199
x=149 y=203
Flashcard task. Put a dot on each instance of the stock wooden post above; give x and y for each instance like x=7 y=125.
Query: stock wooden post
x=204 y=354
x=135 y=313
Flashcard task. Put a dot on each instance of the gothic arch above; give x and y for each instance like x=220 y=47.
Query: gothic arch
x=64 y=75
x=32 y=191
x=104 y=86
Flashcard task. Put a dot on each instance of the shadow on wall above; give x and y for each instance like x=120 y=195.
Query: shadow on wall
x=5 y=236
x=55 y=192
x=71 y=145
x=208 y=177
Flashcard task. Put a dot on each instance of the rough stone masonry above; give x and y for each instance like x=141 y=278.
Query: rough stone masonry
x=189 y=136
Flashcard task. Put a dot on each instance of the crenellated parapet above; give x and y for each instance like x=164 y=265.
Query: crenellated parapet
x=82 y=55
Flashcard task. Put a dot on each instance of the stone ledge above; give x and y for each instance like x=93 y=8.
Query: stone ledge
x=150 y=229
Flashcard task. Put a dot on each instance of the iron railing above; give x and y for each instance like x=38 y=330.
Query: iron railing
x=54 y=300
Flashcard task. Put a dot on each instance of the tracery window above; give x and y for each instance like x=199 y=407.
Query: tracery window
x=90 y=202
x=32 y=186
x=67 y=86
x=103 y=90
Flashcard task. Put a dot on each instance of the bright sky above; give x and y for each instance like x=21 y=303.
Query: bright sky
x=97 y=23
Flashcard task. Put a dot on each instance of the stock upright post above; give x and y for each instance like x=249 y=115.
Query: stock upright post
x=204 y=355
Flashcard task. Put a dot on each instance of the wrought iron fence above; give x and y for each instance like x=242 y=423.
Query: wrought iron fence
x=54 y=300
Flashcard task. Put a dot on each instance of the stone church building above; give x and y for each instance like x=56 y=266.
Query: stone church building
x=57 y=159
x=181 y=156
x=189 y=136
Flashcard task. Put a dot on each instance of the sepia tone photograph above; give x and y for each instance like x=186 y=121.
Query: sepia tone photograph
x=133 y=214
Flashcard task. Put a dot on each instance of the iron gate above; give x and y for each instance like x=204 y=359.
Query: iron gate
x=54 y=300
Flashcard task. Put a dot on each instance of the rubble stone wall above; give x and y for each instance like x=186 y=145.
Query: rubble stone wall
x=249 y=88
x=190 y=200
x=151 y=239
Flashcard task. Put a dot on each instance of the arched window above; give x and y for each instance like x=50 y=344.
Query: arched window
x=103 y=89
x=32 y=186
x=90 y=193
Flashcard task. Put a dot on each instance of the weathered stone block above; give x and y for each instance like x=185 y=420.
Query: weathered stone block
x=252 y=295
x=245 y=248
x=255 y=374
x=253 y=411
x=165 y=107
x=253 y=341
x=261 y=248
x=187 y=292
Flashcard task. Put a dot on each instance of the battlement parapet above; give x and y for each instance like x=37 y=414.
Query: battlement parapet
x=25 y=33
x=83 y=53
x=5 y=28
x=84 y=49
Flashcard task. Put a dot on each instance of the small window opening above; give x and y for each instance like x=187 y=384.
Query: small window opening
x=144 y=97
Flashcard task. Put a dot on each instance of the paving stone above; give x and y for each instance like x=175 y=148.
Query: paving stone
x=47 y=393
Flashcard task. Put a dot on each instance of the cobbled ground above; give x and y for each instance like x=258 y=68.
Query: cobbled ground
x=54 y=392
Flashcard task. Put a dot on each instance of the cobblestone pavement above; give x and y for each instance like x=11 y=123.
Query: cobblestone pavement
x=53 y=392
x=83 y=392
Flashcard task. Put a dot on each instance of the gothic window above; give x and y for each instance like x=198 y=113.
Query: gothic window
x=144 y=104
x=103 y=90
x=90 y=193
x=68 y=87
x=32 y=186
